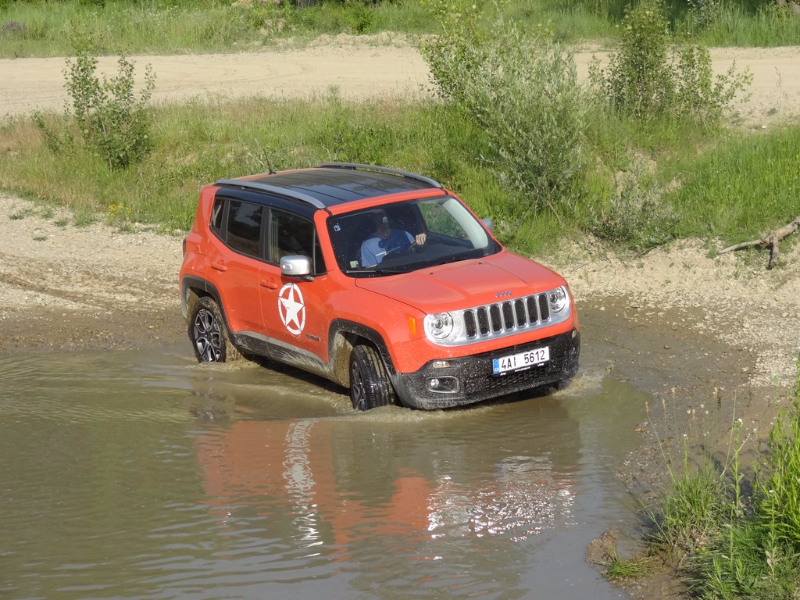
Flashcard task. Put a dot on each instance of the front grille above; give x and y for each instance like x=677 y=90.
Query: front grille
x=506 y=317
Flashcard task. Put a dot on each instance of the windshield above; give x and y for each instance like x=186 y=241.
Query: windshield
x=406 y=236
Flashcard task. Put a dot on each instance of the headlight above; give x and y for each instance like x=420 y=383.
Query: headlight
x=558 y=299
x=439 y=326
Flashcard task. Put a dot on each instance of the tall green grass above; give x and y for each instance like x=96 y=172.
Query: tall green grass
x=40 y=28
x=735 y=545
x=198 y=143
x=47 y=28
x=740 y=188
x=760 y=24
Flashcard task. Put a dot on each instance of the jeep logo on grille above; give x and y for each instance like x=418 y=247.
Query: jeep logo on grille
x=505 y=294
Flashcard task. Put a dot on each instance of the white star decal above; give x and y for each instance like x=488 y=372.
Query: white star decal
x=291 y=308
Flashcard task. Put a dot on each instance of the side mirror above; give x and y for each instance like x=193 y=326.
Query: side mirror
x=489 y=224
x=295 y=266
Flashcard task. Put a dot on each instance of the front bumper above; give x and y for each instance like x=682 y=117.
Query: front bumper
x=473 y=380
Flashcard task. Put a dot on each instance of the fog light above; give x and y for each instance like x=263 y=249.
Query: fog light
x=440 y=364
x=443 y=385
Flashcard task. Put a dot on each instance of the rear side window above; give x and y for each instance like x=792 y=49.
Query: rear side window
x=217 y=212
x=244 y=227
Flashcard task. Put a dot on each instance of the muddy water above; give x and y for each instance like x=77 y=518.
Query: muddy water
x=143 y=475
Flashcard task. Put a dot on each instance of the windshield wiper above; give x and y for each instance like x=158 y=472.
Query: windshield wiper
x=375 y=271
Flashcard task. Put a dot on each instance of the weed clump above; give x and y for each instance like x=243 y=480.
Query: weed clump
x=737 y=546
x=111 y=119
x=636 y=215
x=778 y=506
x=704 y=13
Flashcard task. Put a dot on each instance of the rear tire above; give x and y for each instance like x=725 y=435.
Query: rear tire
x=208 y=333
x=369 y=383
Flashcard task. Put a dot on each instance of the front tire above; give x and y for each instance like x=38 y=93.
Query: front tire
x=208 y=333
x=369 y=383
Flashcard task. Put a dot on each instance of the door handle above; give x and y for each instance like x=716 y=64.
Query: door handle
x=269 y=284
x=219 y=265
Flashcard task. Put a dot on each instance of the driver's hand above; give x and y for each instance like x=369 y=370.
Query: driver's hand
x=419 y=240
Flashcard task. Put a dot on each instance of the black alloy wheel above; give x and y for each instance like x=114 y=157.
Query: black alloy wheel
x=208 y=333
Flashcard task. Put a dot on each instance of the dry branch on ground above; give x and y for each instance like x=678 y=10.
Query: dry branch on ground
x=771 y=240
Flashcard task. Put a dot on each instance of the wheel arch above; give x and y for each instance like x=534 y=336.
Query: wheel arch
x=194 y=288
x=343 y=336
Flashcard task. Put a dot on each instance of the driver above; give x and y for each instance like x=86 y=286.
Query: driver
x=386 y=240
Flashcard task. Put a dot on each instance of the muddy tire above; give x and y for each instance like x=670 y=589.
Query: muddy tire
x=369 y=383
x=208 y=333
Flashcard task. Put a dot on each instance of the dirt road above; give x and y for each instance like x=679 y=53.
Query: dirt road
x=358 y=69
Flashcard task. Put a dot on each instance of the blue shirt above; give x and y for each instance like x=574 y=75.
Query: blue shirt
x=374 y=249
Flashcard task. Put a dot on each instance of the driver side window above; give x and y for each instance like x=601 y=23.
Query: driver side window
x=292 y=235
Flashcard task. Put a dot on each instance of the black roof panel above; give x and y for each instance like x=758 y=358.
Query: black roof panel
x=338 y=185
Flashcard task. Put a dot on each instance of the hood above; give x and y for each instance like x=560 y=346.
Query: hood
x=465 y=284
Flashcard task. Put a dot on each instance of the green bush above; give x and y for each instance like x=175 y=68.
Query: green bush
x=692 y=510
x=111 y=119
x=704 y=13
x=638 y=80
x=57 y=139
x=360 y=18
x=523 y=94
x=648 y=78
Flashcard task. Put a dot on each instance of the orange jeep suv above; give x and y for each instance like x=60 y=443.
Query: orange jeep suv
x=380 y=280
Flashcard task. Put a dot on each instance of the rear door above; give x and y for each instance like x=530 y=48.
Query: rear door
x=235 y=259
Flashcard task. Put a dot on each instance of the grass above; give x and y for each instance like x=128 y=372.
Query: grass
x=48 y=28
x=726 y=186
x=40 y=28
x=741 y=188
x=731 y=544
x=198 y=143
x=620 y=569
x=764 y=25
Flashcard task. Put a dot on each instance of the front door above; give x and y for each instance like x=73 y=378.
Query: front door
x=294 y=308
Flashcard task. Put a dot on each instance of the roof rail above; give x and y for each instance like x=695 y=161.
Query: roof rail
x=358 y=166
x=274 y=189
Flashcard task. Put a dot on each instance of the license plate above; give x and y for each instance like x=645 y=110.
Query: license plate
x=521 y=361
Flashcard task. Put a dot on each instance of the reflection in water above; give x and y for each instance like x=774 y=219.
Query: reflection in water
x=423 y=488
x=524 y=499
x=144 y=476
